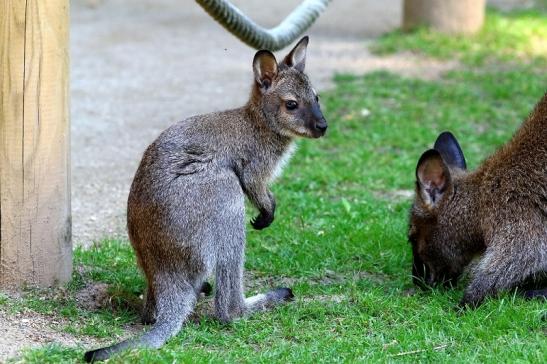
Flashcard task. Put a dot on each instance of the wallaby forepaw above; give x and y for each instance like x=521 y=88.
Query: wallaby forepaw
x=470 y=302
x=263 y=220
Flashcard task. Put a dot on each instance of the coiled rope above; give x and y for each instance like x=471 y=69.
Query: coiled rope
x=240 y=25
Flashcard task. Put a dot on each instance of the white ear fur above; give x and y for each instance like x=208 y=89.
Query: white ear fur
x=433 y=177
x=297 y=56
x=264 y=68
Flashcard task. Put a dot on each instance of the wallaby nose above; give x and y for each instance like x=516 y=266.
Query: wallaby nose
x=321 y=126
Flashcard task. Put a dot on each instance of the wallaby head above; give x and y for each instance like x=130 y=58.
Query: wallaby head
x=284 y=95
x=435 y=230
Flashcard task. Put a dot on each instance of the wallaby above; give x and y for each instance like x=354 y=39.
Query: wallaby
x=498 y=212
x=185 y=212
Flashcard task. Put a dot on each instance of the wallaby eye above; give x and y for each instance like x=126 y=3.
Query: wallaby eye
x=317 y=98
x=291 y=105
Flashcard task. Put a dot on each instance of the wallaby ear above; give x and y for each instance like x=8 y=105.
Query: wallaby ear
x=264 y=68
x=297 y=57
x=450 y=150
x=433 y=177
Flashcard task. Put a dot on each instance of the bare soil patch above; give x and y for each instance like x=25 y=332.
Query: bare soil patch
x=29 y=329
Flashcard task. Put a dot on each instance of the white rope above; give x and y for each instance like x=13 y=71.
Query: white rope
x=258 y=37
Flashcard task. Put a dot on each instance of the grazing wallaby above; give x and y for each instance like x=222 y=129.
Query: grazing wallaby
x=499 y=211
x=185 y=212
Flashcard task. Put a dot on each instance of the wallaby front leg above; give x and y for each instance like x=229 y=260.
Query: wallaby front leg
x=253 y=180
x=264 y=201
x=493 y=273
x=481 y=286
x=497 y=272
x=266 y=208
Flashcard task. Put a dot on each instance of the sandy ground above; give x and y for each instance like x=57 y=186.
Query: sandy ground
x=138 y=66
x=32 y=329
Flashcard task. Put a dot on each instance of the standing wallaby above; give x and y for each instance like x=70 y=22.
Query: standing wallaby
x=186 y=214
x=499 y=211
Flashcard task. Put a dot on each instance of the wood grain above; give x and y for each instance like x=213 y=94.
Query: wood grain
x=35 y=236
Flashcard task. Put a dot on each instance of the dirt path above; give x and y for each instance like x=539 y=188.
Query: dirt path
x=29 y=329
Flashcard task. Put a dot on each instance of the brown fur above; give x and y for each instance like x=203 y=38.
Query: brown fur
x=498 y=212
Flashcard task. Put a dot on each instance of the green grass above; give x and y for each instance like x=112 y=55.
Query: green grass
x=339 y=239
x=512 y=36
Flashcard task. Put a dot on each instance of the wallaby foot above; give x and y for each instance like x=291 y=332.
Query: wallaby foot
x=259 y=302
x=148 y=316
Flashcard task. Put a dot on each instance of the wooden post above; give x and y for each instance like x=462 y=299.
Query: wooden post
x=447 y=16
x=35 y=226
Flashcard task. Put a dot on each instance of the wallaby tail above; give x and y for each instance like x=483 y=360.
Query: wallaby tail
x=172 y=311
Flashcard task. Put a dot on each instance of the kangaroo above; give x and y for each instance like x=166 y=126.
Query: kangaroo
x=498 y=212
x=185 y=211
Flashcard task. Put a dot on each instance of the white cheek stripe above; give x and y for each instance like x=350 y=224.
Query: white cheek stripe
x=283 y=161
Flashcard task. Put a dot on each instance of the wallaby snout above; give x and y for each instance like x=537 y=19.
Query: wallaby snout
x=425 y=278
x=319 y=122
x=284 y=93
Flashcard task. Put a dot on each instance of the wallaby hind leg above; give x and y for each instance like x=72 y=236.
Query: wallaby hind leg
x=230 y=301
x=175 y=299
x=149 y=311
x=149 y=307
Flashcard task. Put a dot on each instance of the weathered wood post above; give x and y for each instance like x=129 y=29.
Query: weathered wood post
x=447 y=16
x=35 y=226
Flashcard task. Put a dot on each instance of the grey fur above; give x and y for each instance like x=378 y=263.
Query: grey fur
x=186 y=215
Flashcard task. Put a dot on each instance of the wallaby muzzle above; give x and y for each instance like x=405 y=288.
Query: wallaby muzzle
x=421 y=275
x=319 y=126
x=425 y=278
